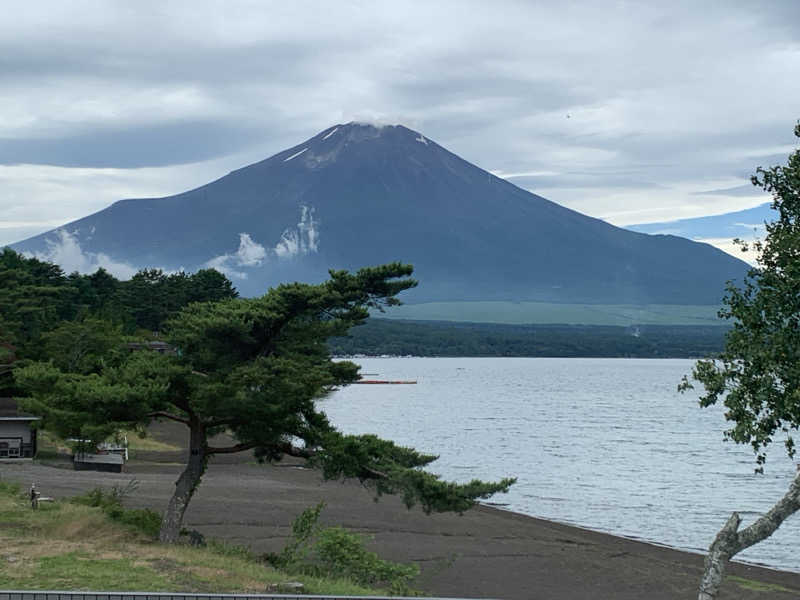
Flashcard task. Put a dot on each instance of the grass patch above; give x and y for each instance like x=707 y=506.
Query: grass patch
x=79 y=545
x=83 y=570
x=143 y=520
x=50 y=445
x=550 y=312
x=135 y=442
x=758 y=586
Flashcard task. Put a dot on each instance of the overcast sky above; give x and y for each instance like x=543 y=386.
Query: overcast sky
x=630 y=111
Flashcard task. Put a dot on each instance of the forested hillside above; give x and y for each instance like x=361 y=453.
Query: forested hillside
x=425 y=338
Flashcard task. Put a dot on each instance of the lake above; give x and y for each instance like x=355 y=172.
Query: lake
x=606 y=444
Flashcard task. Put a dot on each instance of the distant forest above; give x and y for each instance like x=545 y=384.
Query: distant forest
x=440 y=338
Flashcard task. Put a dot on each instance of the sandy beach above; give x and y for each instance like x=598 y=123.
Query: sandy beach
x=484 y=553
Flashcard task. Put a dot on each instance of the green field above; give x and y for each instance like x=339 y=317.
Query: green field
x=518 y=313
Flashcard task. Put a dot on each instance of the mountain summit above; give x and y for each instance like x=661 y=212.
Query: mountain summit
x=357 y=194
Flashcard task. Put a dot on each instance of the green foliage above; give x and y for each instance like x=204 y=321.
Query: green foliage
x=151 y=297
x=86 y=406
x=334 y=551
x=758 y=374
x=144 y=520
x=84 y=346
x=392 y=469
x=74 y=319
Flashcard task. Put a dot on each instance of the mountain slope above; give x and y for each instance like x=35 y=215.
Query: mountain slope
x=357 y=194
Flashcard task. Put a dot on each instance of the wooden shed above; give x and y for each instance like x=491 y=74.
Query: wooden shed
x=17 y=437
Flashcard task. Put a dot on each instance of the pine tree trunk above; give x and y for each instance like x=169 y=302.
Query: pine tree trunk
x=730 y=541
x=187 y=483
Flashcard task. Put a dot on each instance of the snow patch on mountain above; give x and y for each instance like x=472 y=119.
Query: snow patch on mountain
x=295 y=155
x=335 y=129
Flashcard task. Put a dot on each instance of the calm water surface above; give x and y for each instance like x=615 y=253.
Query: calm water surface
x=606 y=444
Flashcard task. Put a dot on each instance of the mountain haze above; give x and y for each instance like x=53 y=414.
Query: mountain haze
x=357 y=194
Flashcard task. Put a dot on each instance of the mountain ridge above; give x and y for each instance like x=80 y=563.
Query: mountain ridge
x=357 y=194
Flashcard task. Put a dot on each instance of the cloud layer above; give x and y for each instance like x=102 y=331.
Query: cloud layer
x=632 y=112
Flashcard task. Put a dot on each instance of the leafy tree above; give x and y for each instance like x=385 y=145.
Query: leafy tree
x=252 y=368
x=34 y=296
x=147 y=298
x=757 y=376
x=151 y=297
x=208 y=285
x=83 y=346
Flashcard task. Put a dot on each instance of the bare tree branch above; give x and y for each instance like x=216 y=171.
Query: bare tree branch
x=290 y=450
x=230 y=449
x=730 y=541
x=170 y=416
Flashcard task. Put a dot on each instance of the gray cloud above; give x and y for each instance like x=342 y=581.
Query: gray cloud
x=739 y=190
x=625 y=110
x=150 y=145
x=582 y=180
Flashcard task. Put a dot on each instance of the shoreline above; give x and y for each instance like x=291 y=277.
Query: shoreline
x=633 y=538
x=488 y=551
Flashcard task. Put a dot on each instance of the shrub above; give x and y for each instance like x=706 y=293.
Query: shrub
x=334 y=551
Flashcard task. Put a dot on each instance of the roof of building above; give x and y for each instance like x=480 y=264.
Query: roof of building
x=107 y=459
x=10 y=412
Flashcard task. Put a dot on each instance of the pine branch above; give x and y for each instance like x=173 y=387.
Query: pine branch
x=170 y=416
x=231 y=449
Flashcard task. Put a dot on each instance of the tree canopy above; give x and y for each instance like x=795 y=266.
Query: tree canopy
x=252 y=368
x=757 y=376
x=37 y=298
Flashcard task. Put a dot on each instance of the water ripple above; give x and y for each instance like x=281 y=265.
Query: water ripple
x=606 y=444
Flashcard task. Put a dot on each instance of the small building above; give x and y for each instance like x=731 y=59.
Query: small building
x=86 y=461
x=17 y=437
x=103 y=456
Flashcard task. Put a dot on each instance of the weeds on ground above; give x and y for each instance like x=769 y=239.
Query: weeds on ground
x=326 y=551
x=143 y=520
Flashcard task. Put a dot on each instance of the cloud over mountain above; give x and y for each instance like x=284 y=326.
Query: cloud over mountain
x=294 y=241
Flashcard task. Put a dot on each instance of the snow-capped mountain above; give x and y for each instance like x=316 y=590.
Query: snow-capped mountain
x=357 y=194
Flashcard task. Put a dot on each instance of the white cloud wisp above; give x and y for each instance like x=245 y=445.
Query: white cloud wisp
x=294 y=241
x=67 y=253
